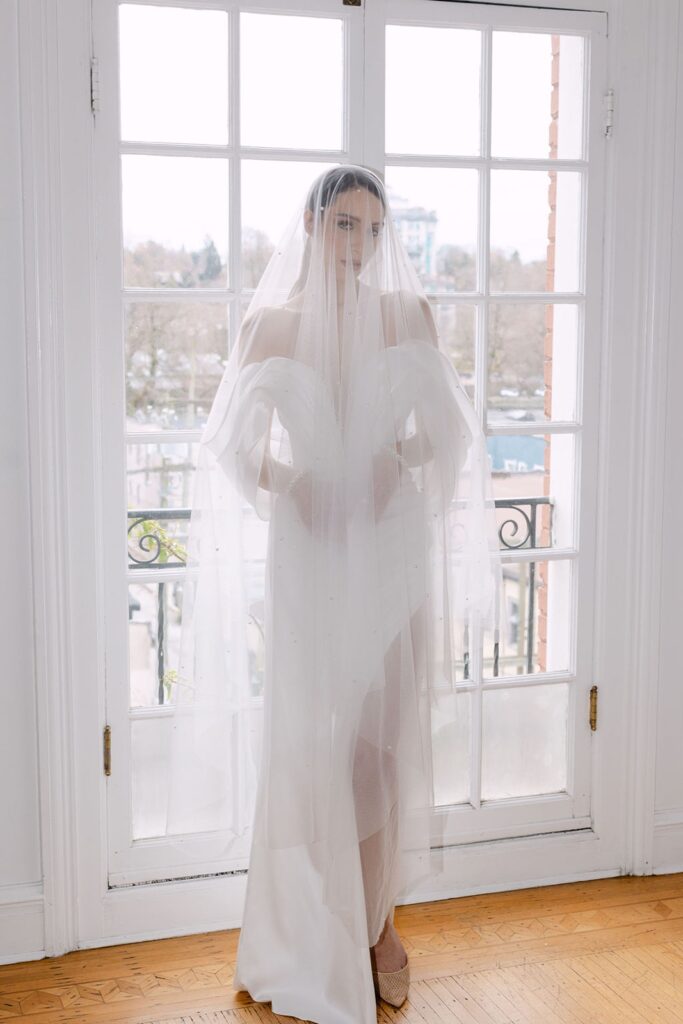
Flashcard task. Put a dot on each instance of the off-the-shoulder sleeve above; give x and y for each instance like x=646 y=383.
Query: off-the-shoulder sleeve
x=415 y=377
x=239 y=439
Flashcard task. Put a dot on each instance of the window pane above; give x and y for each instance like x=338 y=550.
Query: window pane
x=153 y=641
x=535 y=230
x=175 y=221
x=150 y=747
x=535 y=619
x=174 y=74
x=432 y=90
x=435 y=211
x=532 y=362
x=154 y=627
x=524 y=742
x=451 y=738
x=149 y=750
x=533 y=485
x=159 y=475
x=456 y=325
x=519 y=458
x=537 y=95
x=175 y=358
x=291 y=71
x=270 y=191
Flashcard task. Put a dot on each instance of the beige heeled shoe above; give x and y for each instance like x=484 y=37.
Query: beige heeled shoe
x=392 y=986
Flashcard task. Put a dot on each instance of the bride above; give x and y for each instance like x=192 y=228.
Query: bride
x=342 y=424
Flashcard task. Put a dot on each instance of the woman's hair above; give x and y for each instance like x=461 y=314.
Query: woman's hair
x=332 y=183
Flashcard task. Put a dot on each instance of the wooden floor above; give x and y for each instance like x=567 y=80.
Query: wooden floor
x=588 y=953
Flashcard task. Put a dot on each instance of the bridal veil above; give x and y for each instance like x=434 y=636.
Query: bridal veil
x=341 y=423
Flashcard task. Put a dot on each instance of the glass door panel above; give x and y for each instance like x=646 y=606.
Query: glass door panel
x=484 y=121
x=489 y=122
x=209 y=163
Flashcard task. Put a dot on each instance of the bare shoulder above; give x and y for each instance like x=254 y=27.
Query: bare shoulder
x=407 y=300
x=415 y=313
x=269 y=331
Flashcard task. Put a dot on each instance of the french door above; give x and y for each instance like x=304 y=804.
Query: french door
x=211 y=118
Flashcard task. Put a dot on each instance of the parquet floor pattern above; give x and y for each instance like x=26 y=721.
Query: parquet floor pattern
x=601 y=952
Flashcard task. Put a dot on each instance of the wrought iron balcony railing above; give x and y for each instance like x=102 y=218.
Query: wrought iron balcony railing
x=157 y=537
x=151 y=546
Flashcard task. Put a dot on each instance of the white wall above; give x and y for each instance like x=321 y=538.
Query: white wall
x=20 y=860
x=668 y=845
x=27 y=903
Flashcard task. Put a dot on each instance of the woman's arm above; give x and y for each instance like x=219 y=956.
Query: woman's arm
x=261 y=336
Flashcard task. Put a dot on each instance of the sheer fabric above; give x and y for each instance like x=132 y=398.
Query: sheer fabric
x=342 y=424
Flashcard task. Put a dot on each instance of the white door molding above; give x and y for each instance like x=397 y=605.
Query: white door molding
x=644 y=57
x=56 y=142
x=42 y=211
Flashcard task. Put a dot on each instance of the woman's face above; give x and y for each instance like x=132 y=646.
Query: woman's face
x=351 y=227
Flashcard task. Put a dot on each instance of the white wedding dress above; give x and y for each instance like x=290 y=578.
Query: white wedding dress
x=293 y=951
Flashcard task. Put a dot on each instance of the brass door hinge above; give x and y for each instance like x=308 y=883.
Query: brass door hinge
x=107 y=750
x=593 y=717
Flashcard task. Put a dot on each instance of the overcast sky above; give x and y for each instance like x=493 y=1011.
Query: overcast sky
x=174 y=88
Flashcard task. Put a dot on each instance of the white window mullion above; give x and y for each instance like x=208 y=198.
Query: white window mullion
x=353 y=134
x=510 y=163
x=235 y=178
x=475 y=746
x=483 y=284
x=374 y=91
x=481 y=389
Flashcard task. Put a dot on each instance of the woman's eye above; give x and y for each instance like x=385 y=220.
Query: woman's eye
x=344 y=224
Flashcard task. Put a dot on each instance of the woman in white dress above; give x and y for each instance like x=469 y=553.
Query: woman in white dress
x=343 y=425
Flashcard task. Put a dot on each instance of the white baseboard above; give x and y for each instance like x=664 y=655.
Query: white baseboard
x=22 y=923
x=176 y=908
x=213 y=904
x=189 y=907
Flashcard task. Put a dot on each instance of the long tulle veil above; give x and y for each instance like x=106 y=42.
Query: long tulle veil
x=342 y=437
